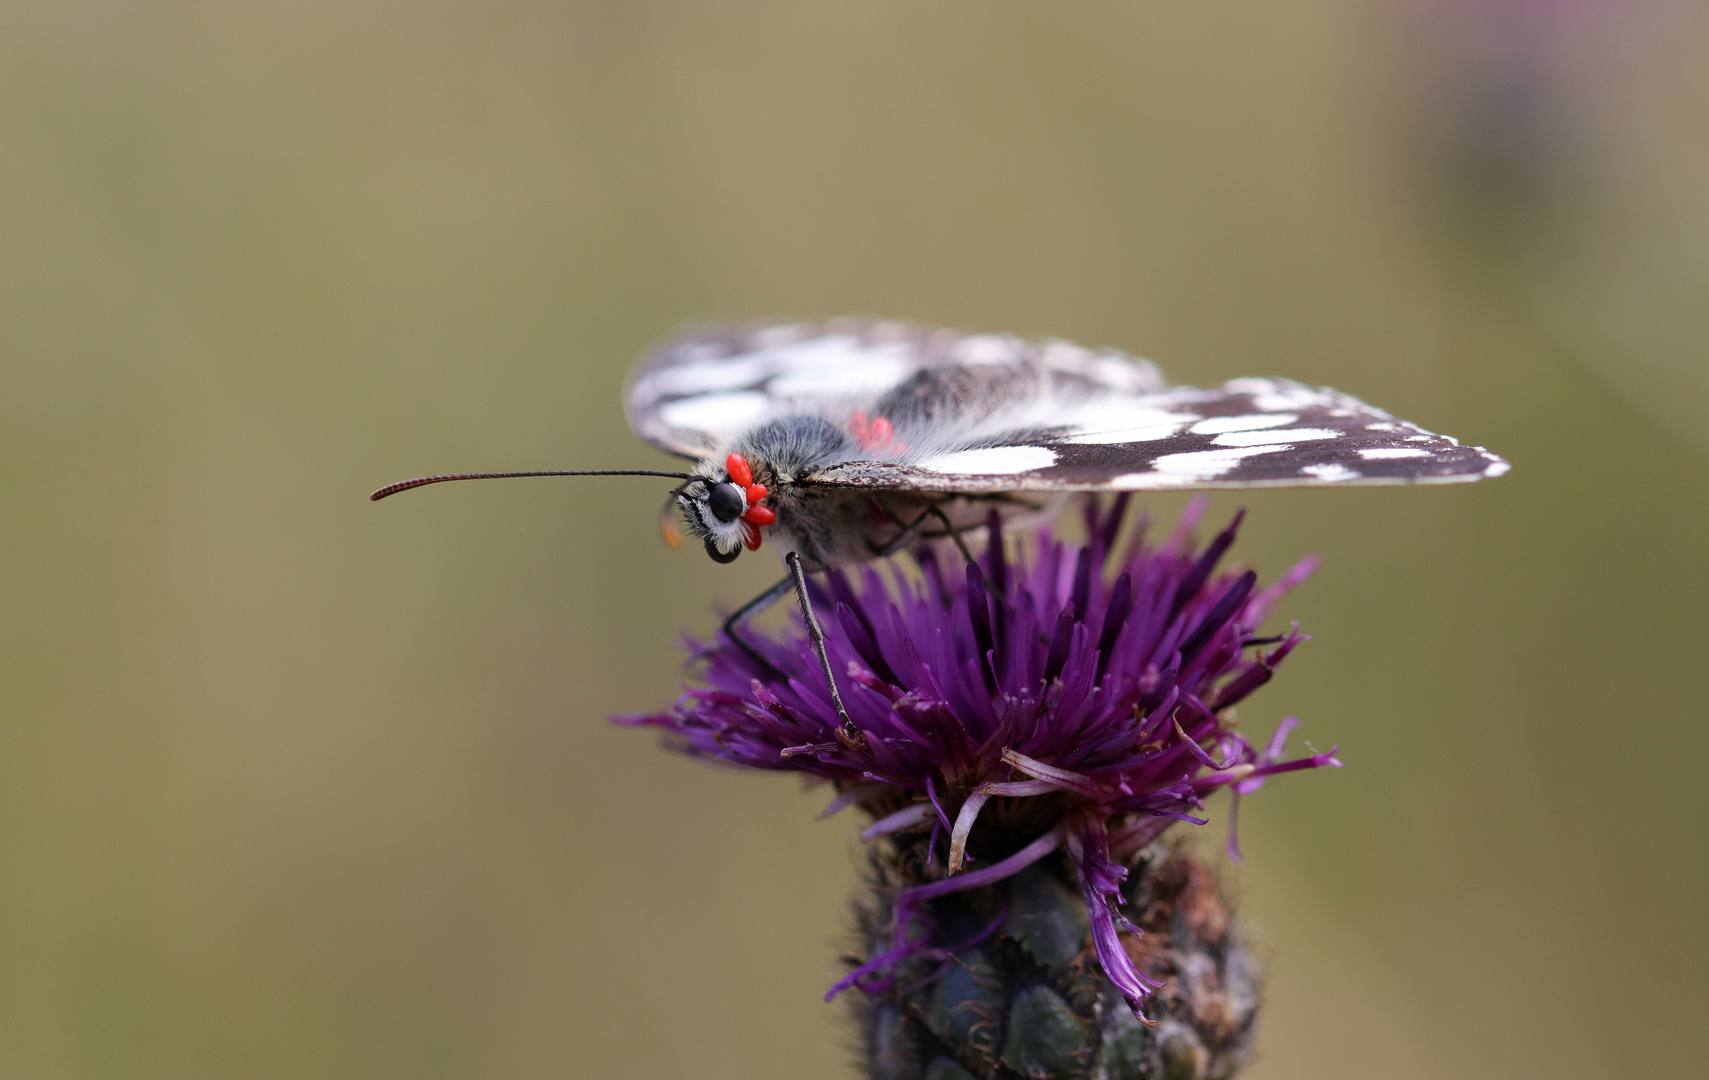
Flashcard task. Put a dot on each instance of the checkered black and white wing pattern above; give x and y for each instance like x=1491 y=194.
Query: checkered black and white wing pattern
x=1247 y=433
x=701 y=391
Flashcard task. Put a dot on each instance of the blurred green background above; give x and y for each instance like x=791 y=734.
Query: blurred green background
x=292 y=785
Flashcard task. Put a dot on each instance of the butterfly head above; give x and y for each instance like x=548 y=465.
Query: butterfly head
x=725 y=512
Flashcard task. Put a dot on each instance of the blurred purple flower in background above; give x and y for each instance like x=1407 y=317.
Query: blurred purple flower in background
x=1565 y=138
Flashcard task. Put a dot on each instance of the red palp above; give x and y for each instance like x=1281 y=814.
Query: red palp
x=737 y=466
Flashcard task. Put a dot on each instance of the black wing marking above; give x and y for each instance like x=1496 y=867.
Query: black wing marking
x=699 y=392
x=1248 y=433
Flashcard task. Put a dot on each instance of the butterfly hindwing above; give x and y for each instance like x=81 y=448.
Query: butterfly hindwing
x=1247 y=433
x=700 y=391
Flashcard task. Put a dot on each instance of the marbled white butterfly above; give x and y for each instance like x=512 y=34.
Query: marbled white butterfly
x=849 y=439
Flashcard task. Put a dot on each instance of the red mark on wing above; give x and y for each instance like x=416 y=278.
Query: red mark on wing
x=873 y=433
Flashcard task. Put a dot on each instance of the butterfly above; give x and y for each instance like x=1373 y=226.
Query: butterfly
x=849 y=439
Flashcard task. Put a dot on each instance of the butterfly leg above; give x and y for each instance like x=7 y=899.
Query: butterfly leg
x=754 y=607
x=910 y=532
x=954 y=533
x=798 y=576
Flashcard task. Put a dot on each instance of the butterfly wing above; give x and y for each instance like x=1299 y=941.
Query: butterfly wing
x=699 y=392
x=1246 y=433
x=980 y=413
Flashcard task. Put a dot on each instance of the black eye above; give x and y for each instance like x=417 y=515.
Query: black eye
x=727 y=502
x=718 y=555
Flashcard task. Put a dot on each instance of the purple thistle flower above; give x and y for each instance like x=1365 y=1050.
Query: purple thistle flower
x=1064 y=696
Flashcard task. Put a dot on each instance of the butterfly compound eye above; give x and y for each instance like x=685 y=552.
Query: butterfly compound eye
x=720 y=556
x=727 y=502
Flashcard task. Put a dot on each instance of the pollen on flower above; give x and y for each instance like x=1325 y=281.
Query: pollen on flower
x=1058 y=698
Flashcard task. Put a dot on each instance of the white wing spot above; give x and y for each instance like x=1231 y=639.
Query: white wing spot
x=699 y=377
x=1272 y=395
x=1389 y=453
x=992 y=460
x=980 y=349
x=1251 y=385
x=716 y=413
x=1118 y=371
x=814 y=354
x=866 y=371
x=1331 y=472
x=1208 y=464
x=1496 y=468
x=1119 y=436
x=829 y=352
x=771 y=337
x=831 y=363
x=1129 y=373
x=1110 y=423
x=1216 y=425
x=1264 y=438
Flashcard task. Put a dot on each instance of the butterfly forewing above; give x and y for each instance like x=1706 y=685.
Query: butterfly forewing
x=994 y=413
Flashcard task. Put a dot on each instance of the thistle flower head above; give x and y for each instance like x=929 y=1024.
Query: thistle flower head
x=1070 y=696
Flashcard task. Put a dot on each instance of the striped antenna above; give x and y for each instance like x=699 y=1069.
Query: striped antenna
x=423 y=481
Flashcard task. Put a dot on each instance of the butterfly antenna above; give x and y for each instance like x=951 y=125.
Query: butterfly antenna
x=423 y=481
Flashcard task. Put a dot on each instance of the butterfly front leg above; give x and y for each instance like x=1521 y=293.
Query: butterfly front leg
x=796 y=579
x=847 y=732
x=753 y=607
